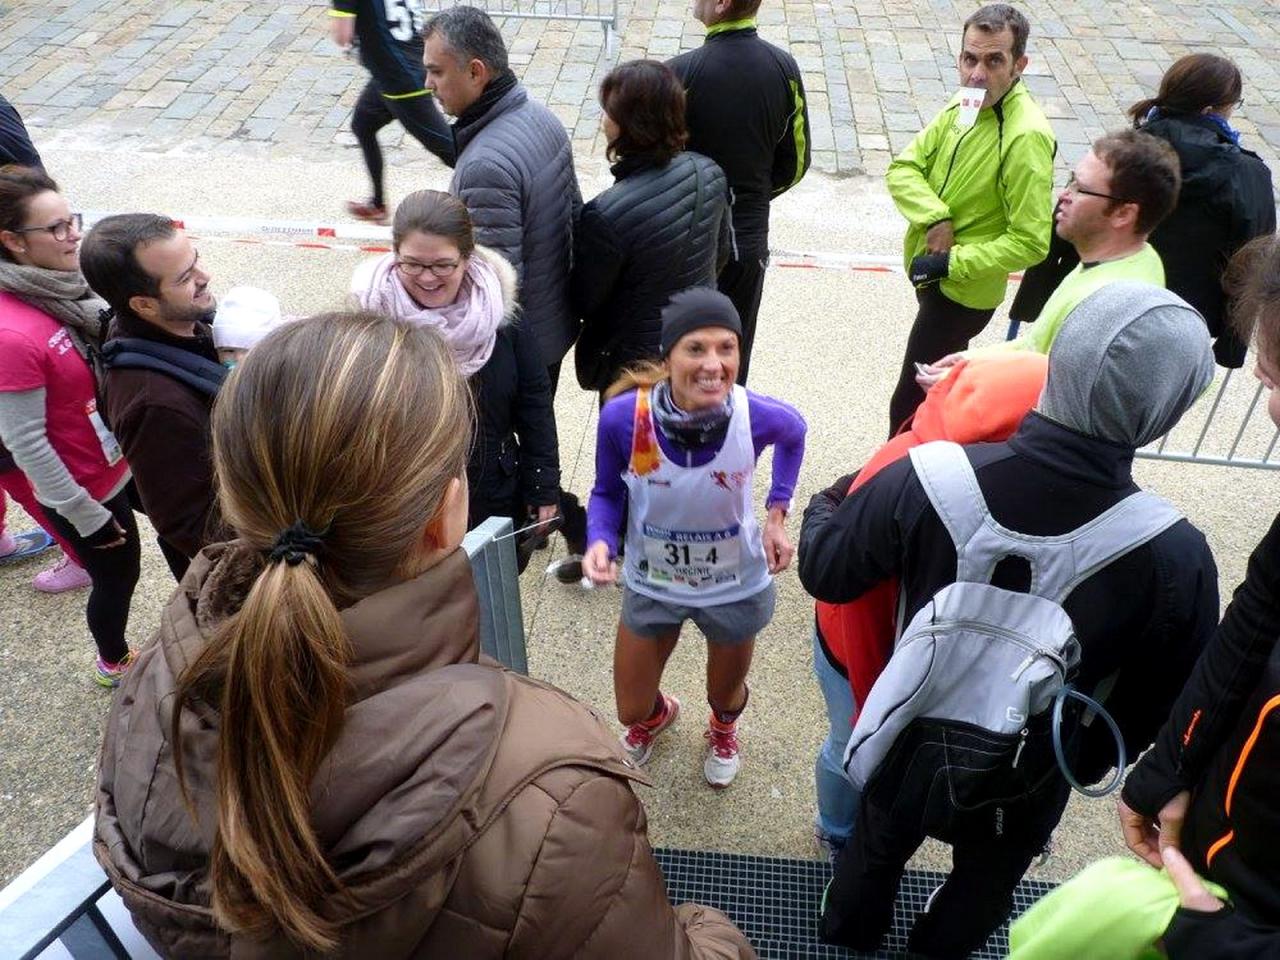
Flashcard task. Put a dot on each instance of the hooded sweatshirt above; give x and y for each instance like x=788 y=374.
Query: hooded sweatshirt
x=468 y=811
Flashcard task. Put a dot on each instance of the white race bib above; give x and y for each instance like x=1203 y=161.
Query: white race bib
x=692 y=558
x=107 y=439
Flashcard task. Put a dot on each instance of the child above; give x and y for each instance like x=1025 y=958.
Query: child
x=245 y=315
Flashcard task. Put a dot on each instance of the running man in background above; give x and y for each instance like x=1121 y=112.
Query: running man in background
x=388 y=34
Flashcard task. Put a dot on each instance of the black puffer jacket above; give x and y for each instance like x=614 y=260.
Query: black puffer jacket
x=656 y=231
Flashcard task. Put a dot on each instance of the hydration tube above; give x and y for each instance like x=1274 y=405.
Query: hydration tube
x=1121 y=757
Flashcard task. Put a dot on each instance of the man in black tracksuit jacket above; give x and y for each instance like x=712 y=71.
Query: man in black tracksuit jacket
x=1221 y=745
x=388 y=34
x=745 y=110
x=1142 y=620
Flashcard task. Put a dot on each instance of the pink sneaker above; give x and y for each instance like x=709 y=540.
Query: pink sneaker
x=638 y=739
x=64 y=575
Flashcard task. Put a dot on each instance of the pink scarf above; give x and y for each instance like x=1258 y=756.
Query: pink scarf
x=468 y=325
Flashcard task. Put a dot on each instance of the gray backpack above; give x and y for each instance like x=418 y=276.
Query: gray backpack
x=980 y=661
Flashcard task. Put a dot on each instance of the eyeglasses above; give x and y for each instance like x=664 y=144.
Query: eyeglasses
x=441 y=268
x=1073 y=185
x=60 y=229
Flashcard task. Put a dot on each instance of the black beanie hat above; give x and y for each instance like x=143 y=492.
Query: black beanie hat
x=693 y=309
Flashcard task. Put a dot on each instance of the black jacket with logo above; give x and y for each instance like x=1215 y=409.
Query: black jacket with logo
x=746 y=110
x=1222 y=742
x=1144 y=618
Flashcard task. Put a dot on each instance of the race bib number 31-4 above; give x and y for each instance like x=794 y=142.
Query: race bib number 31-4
x=692 y=558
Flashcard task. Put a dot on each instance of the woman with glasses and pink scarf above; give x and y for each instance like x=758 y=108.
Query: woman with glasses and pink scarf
x=437 y=276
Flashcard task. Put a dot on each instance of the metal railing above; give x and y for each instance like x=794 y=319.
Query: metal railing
x=1227 y=427
x=62 y=905
x=603 y=12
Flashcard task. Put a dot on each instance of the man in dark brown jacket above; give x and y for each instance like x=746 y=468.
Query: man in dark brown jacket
x=468 y=811
x=150 y=274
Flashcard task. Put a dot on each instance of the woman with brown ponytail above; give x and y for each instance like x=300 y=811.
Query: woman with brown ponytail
x=311 y=758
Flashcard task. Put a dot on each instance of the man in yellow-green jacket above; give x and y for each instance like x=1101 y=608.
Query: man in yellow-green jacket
x=976 y=188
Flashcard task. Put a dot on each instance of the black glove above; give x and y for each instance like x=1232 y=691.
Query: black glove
x=108 y=533
x=929 y=268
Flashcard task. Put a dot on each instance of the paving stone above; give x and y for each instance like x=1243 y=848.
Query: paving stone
x=879 y=64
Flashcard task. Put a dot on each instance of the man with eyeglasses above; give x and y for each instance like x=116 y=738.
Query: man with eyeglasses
x=150 y=273
x=976 y=188
x=515 y=174
x=1119 y=192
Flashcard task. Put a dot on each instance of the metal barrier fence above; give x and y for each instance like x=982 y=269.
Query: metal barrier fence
x=63 y=906
x=1229 y=426
x=603 y=12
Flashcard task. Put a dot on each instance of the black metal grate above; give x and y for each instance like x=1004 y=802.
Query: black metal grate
x=775 y=901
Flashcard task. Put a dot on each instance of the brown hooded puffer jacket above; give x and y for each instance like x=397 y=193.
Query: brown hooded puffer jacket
x=469 y=811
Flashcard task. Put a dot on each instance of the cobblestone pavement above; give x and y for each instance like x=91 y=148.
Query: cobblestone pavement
x=224 y=77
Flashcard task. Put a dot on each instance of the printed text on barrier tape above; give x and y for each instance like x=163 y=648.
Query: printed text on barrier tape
x=209 y=228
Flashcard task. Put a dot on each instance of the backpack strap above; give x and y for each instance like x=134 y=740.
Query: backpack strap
x=1135 y=520
x=134 y=353
x=952 y=487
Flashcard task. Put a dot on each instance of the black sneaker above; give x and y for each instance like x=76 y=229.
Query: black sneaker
x=568 y=570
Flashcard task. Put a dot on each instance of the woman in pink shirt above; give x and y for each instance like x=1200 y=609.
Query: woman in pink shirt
x=49 y=420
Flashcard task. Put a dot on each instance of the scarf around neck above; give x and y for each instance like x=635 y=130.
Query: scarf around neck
x=496 y=89
x=1219 y=121
x=469 y=325
x=689 y=431
x=63 y=295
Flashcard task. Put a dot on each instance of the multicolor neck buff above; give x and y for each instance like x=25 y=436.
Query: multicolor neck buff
x=690 y=431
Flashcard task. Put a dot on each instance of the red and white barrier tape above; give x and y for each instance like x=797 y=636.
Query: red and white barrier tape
x=246 y=230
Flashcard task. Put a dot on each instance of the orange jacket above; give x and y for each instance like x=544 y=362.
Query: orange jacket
x=984 y=399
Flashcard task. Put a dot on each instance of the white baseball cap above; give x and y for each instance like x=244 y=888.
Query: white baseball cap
x=245 y=315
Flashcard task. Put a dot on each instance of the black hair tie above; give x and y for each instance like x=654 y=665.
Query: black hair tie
x=297 y=543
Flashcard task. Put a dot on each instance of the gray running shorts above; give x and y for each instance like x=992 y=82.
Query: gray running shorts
x=728 y=623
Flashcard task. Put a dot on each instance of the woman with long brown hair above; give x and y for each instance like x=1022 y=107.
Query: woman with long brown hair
x=310 y=757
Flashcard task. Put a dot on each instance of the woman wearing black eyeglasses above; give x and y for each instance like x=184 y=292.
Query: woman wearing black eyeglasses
x=1226 y=197
x=438 y=277
x=48 y=412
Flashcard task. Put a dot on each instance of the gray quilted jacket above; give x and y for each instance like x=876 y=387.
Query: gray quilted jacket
x=656 y=231
x=515 y=174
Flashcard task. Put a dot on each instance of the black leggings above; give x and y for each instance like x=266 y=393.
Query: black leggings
x=742 y=281
x=419 y=115
x=114 y=573
x=942 y=326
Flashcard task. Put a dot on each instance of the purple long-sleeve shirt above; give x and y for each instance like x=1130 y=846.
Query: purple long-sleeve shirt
x=772 y=422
